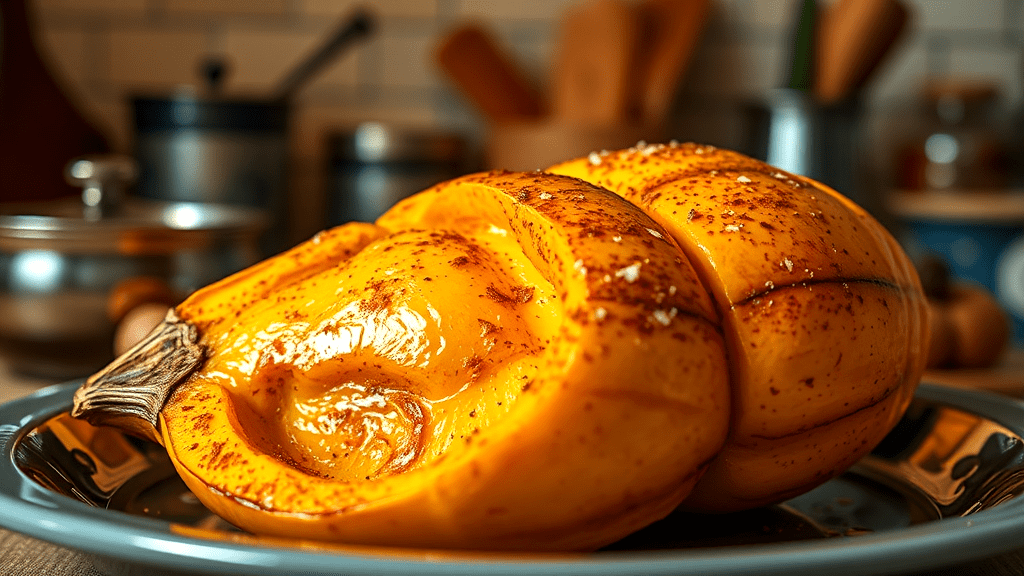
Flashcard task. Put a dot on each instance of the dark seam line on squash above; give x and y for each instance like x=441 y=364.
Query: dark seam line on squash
x=881 y=399
x=881 y=282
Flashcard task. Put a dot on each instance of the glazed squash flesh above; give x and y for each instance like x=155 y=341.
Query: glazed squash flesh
x=426 y=381
x=385 y=376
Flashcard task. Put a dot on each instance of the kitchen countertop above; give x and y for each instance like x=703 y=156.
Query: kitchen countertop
x=24 y=556
x=1006 y=378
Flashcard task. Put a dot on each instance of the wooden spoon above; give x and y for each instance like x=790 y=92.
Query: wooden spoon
x=487 y=76
x=670 y=31
x=854 y=38
x=595 y=63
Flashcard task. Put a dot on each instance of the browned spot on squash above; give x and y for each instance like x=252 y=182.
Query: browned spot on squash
x=518 y=295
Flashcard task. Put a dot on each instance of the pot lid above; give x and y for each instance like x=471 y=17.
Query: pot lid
x=372 y=142
x=189 y=112
x=104 y=220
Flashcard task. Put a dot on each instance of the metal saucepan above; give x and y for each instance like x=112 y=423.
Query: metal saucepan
x=71 y=271
x=208 y=147
x=375 y=165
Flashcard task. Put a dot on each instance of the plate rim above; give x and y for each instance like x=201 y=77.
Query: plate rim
x=150 y=542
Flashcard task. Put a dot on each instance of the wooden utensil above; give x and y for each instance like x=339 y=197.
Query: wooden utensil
x=595 y=63
x=854 y=38
x=487 y=76
x=885 y=39
x=670 y=30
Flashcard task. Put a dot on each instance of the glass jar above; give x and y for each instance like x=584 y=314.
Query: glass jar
x=960 y=148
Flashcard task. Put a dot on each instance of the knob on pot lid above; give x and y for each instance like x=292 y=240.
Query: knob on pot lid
x=106 y=220
x=103 y=180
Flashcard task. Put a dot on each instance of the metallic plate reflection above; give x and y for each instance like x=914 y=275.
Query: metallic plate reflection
x=939 y=462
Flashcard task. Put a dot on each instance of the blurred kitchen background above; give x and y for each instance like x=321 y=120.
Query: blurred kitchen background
x=937 y=107
x=102 y=52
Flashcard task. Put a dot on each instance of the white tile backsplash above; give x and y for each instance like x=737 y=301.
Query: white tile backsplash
x=958 y=15
x=153 y=58
x=743 y=51
x=776 y=14
x=901 y=75
x=260 y=59
x=492 y=10
x=408 y=62
x=734 y=69
x=1001 y=63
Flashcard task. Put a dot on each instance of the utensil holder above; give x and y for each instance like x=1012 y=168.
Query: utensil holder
x=528 y=146
x=791 y=131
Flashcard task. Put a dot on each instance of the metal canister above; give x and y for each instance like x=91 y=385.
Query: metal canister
x=225 y=152
x=790 y=130
x=375 y=165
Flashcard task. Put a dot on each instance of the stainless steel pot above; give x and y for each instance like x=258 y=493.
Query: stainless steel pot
x=70 y=270
x=790 y=130
x=213 y=148
x=220 y=151
x=376 y=165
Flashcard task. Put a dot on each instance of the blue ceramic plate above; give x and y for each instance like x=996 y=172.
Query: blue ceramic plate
x=940 y=490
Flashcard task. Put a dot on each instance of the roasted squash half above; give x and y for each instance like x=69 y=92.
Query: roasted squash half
x=824 y=315
x=534 y=362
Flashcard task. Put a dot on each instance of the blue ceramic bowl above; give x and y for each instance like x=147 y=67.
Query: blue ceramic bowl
x=979 y=234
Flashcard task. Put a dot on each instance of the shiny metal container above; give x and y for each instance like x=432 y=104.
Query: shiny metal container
x=942 y=489
x=376 y=165
x=219 y=151
x=69 y=270
x=790 y=130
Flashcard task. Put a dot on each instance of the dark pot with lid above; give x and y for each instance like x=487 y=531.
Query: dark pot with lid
x=211 y=147
x=71 y=270
x=220 y=151
x=375 y=165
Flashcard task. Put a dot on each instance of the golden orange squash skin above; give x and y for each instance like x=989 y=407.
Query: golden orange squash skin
x=825 y=319
x=504 y=361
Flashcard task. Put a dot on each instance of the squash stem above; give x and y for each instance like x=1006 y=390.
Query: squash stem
x=130 y=392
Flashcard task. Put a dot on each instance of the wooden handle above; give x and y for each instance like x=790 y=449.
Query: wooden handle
x=887 y=37
x=487 y=76
x=854 y=38
x=670 y=31
x=595 y=63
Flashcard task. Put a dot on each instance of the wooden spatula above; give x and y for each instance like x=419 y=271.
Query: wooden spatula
x=853 y=39
x=594 y=67
x=670 y=31
x=487 y=76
